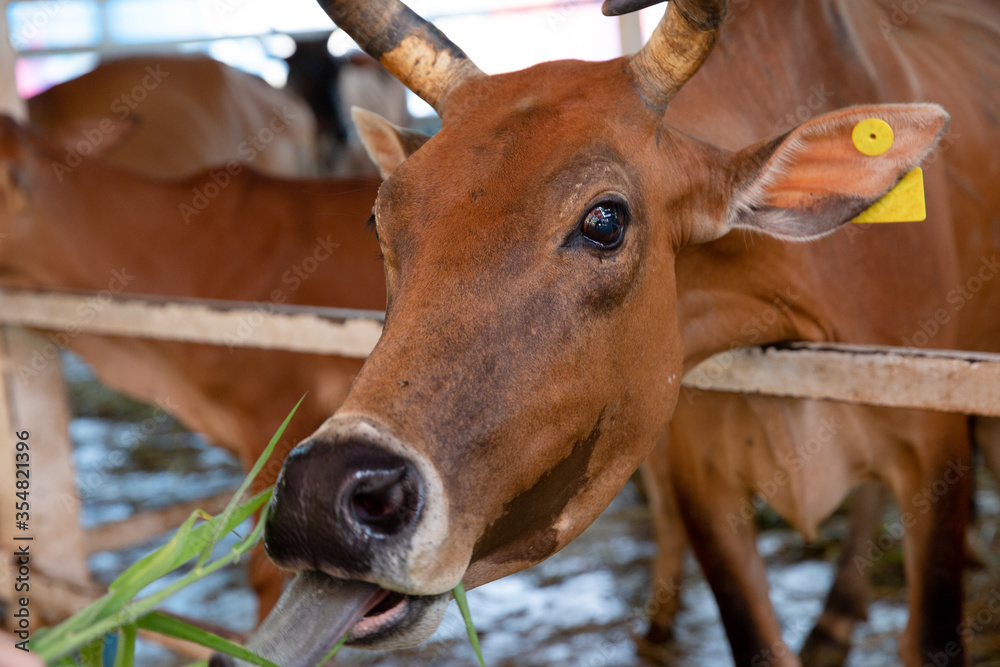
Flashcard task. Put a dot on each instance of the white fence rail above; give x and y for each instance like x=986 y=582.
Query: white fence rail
x=349 y=333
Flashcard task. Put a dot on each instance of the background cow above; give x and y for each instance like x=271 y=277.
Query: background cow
x=332 y=85
x=716 y=464
x=173 y=116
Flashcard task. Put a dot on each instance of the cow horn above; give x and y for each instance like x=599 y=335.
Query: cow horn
x=415 y=51
x=679 y=45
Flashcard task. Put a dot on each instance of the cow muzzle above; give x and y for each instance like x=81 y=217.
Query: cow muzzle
x=361 y=518
x=348 y=508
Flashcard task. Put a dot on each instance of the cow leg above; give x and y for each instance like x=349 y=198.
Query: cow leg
x=987 y=436
x=830 y=640
x=724 y=540
x=671 y=545
x=931 y=482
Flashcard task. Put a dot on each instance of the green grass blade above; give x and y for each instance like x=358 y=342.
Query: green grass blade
x=203 y=663
x=110 y=612
x=463 y=605
x=66 y=662
x=125 y=655
x=154 y=566
x=206 y=552
x=174 y=627
x=117 y=609
x=92 y=655
x=194 y=542
x=336 y=648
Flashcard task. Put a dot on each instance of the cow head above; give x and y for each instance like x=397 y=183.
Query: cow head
x=531 y=352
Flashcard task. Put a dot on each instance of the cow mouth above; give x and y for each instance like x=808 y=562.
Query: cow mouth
x=382 y=617
x=397 y=621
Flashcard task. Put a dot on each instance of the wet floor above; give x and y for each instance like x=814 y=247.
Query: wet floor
x=581 y=607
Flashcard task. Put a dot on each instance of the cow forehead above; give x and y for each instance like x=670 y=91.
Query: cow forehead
x=535 y=148
x=477 y=176
x=548 y=107
x=598 y=88
x=517 y=143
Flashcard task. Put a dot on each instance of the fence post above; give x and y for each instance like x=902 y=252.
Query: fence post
x=33 y=399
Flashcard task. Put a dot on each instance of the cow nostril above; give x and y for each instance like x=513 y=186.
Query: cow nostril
x=383 y=502
x=380 y=501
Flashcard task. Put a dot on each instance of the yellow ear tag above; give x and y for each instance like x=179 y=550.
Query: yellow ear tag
x=905 y=202
x=872 y=136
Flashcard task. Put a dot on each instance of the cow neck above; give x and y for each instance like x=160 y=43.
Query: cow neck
x=738 y=292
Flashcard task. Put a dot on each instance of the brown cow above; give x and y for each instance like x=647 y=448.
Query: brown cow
x=260 y=239
x=559 y=254
x=719 y=463
x=181 y=114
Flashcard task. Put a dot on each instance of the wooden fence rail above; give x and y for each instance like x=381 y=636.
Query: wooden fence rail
x=948 y=381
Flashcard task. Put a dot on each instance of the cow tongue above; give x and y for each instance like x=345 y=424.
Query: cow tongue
x=311 y=615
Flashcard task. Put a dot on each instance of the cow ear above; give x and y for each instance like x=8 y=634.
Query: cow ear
x=13 y=194
x=827 y=171
x=387 y=144
x=13 y=174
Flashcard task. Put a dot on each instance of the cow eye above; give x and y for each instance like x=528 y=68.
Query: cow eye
x=604 y=225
